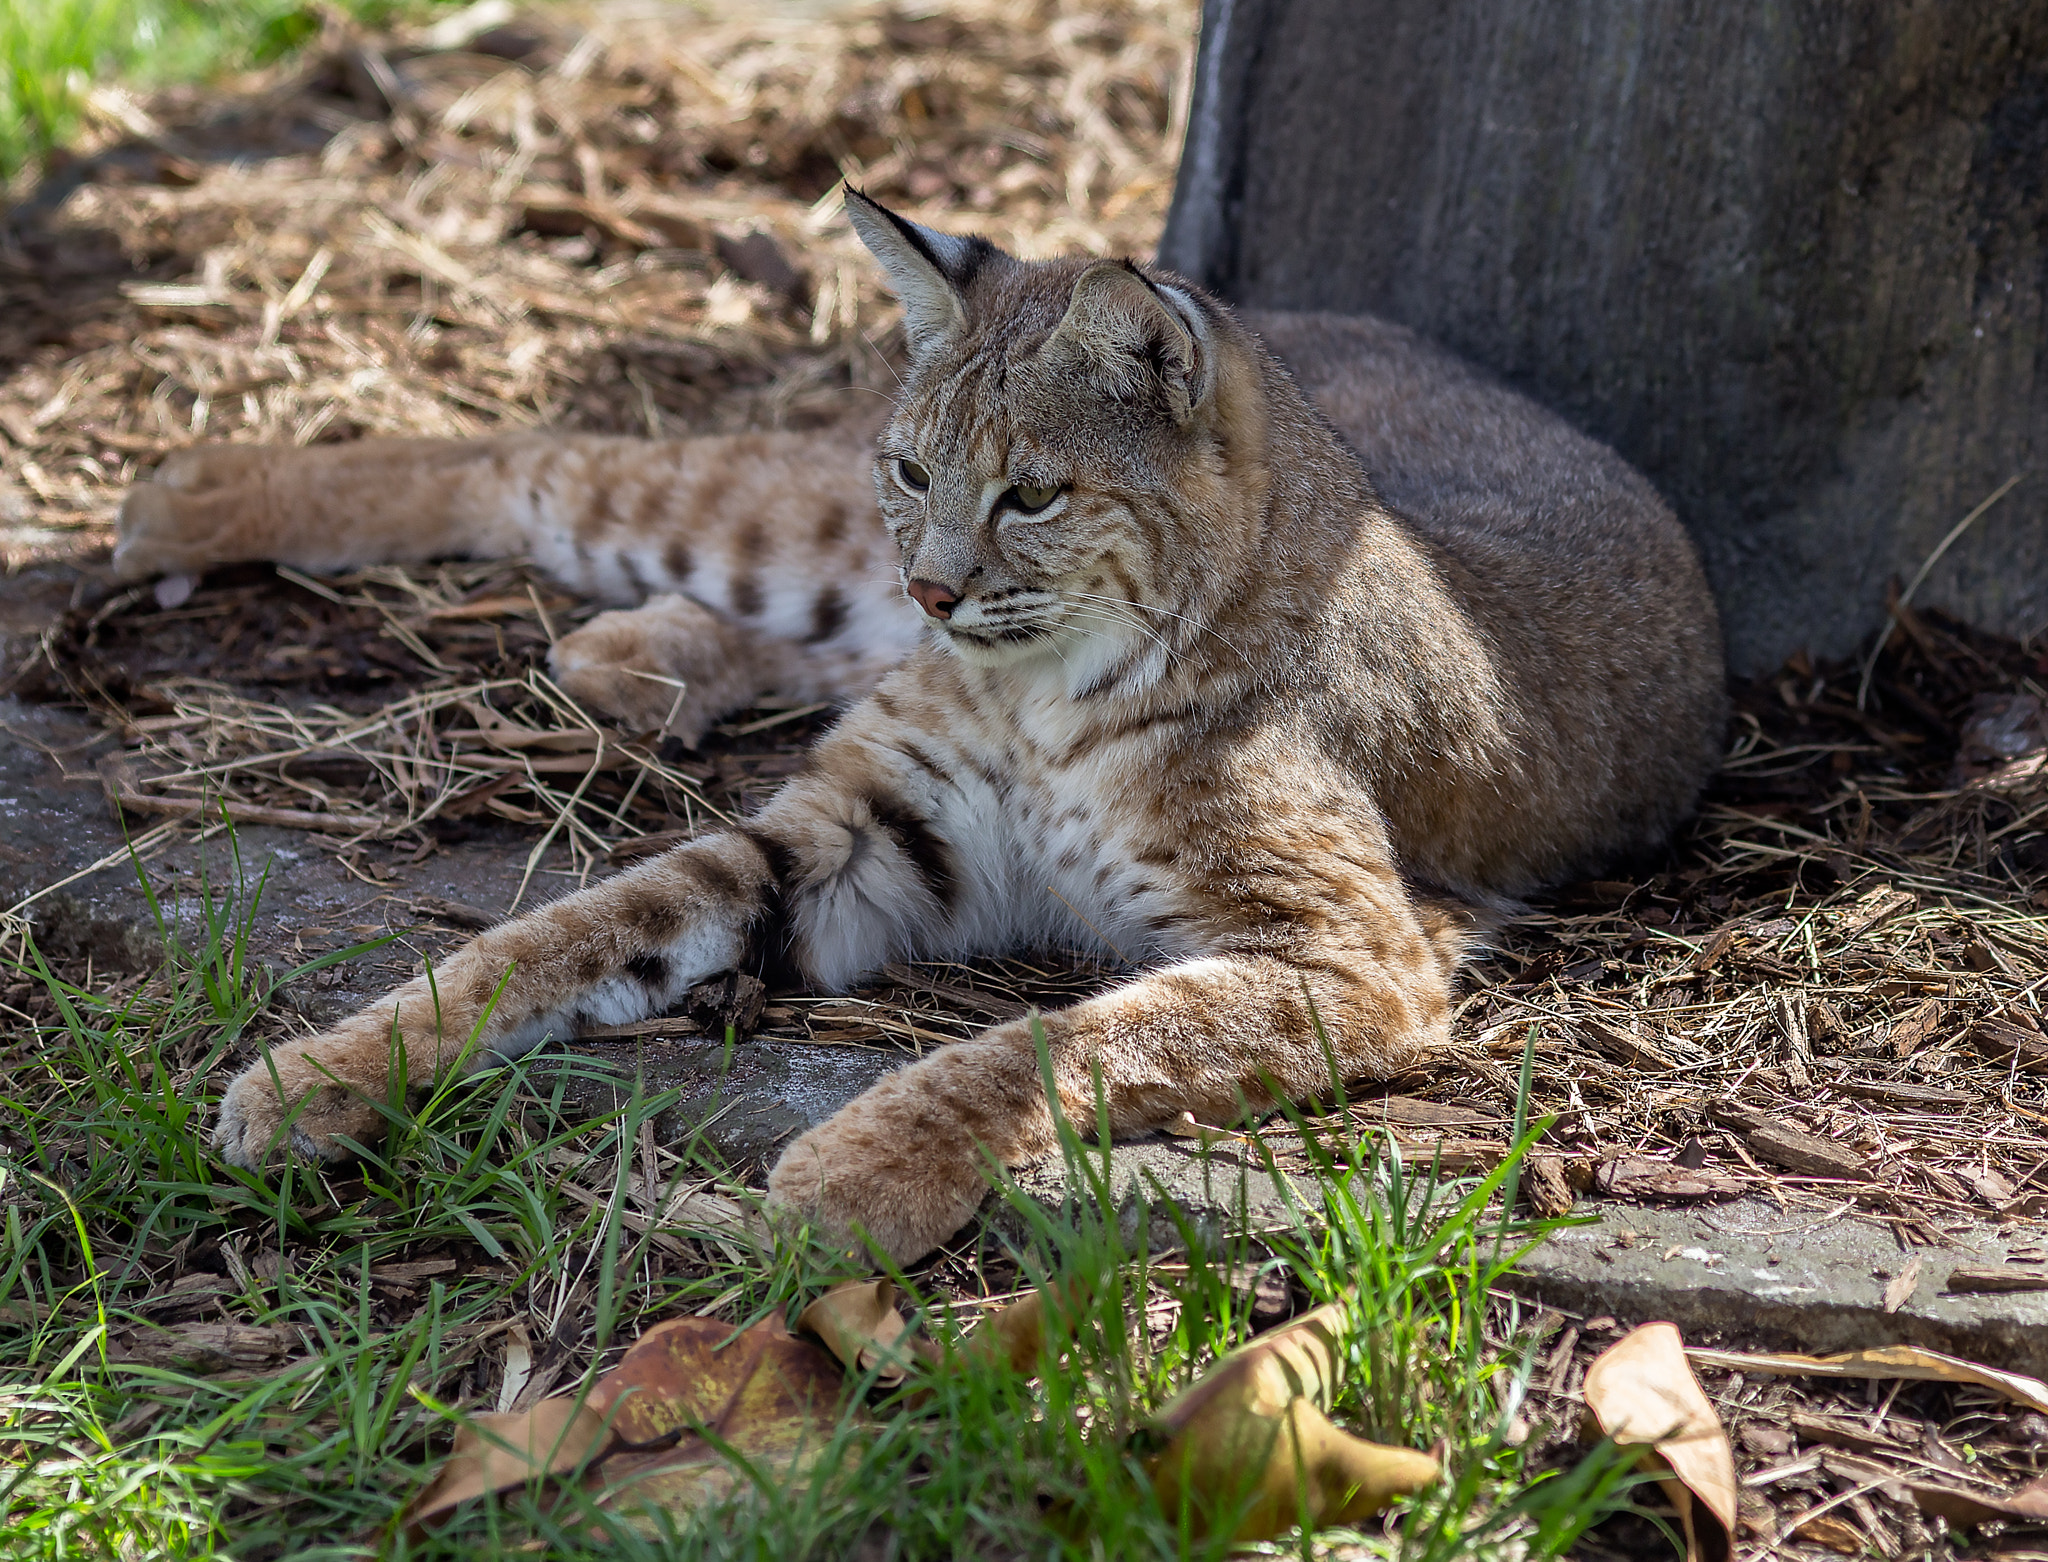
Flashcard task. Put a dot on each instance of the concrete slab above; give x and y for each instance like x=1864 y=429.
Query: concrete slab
x=1748 y=1270
x=1215 y=1188
x=1745 y=1271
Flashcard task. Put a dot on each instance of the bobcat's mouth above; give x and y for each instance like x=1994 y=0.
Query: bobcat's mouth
x=1002 y=624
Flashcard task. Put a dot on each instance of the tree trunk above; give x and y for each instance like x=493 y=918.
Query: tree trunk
x=1791 y=259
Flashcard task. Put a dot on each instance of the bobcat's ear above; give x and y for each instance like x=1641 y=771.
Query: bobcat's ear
x=1136 y=340
x=926 y=270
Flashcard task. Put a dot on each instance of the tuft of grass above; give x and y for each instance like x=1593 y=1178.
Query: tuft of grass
x=516 y=1204
x=52 y=52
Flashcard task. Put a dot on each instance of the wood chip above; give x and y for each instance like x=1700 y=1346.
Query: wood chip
x=2002 y=1042
x=1622 y=1046
x=456 y=913
x=1783 y=1145
x=1411 y=1112
x=1546 y=1186
x=1841 y=1432
x=1651 y=1178
x=1906 y=1095
x=1900 y=1288
x=1915 y=1030
x=2005 y=1279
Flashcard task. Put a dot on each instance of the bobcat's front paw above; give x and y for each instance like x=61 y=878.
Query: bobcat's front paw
x=252 y=1113
x=861 y=1171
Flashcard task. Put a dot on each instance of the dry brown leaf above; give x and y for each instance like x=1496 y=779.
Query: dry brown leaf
x=1884 y=1362
x=653 y=1430
x=1973 y=1505
x=1261 y=1409
x=1016 y=1335
x=1641 y=1390
x=493 y=1452
x=859 y=1324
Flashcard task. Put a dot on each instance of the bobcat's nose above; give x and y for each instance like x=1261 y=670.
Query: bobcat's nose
x=938 y=601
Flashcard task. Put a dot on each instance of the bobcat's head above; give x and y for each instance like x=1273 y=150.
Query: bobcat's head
x=1055 y=474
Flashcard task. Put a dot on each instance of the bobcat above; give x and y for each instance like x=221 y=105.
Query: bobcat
x=1170 y=675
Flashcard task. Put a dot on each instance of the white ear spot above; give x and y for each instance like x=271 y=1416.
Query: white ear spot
x=1134 y=342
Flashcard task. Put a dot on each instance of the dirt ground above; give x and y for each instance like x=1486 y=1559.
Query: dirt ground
x=1829 y=993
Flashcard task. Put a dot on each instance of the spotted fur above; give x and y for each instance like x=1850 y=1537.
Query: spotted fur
x=1271 y=732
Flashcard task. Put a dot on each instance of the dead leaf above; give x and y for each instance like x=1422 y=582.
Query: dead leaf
x=518 y=1365
x=754 y=1389
x=1883 y=1363
x=859 y=1324
x=1254 y=1427
x=496 y=1451
x=1641 y=1391
x=1015 y=1335
x=1974 y=1505
x=651 y=1432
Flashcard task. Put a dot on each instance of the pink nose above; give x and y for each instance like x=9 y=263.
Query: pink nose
x=938 y=601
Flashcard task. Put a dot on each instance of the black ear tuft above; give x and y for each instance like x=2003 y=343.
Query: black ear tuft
x=928 y=270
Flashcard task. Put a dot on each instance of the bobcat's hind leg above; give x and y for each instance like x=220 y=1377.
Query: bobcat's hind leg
x=674 y=667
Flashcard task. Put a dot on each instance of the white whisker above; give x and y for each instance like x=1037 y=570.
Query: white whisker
x=1148 y=607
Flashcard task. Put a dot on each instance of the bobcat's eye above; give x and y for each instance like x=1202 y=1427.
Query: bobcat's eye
x=1030 y=498
x=915 y=477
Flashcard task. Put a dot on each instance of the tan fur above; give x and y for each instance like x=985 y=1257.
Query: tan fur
x=1272 y=731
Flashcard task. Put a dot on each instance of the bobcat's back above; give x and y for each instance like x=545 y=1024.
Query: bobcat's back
x=1575 y=571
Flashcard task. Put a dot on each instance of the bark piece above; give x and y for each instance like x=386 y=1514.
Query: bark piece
x=1652 y=1178
x=1548 y=1187
x=1783 y=1145
x=2010 y=1044
x=733 y=1000
x=204 y=1347
x=1622 y=1046
x=1411 y=1112
x=2004 y=1280
x=1915 y=1030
